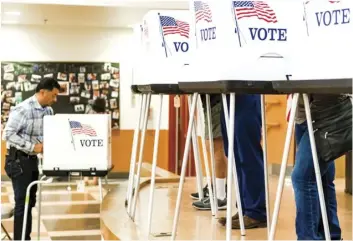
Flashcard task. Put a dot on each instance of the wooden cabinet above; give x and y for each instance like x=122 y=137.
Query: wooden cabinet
x=276 y=126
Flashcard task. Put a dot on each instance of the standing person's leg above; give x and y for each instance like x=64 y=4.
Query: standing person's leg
x=219 y=160
x=249 y=161
x=308 y=215
x=248 y=126
x=22 y=174
x=222 y=220
x=331 y=203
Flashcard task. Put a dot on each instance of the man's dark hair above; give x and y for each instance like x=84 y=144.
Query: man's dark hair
x=99 y=105
x=48 y=84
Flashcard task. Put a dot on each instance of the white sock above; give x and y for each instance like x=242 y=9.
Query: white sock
x=221 y=188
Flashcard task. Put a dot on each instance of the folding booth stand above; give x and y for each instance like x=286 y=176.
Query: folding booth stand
x=85 y=151
x=153 y=76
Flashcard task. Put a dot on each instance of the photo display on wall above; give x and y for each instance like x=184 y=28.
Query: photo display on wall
x=81 y=84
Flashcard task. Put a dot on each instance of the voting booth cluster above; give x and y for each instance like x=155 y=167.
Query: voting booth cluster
x=239 y=47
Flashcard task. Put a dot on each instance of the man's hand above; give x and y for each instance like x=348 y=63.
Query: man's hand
x=38 y=148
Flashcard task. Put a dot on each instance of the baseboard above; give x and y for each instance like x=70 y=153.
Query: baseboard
x=276 y=168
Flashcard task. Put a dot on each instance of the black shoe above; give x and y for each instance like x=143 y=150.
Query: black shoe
x=205 y=204
x=195 y=195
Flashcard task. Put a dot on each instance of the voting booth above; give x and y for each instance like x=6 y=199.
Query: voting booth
x=77 y=143
x=255 y=35
x=164 y=49
x=320 y=62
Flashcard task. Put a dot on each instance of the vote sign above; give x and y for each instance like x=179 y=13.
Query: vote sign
x=166 y=33
x=77 y=142
x=328 y=20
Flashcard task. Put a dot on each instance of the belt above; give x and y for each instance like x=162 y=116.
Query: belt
x=20 y=153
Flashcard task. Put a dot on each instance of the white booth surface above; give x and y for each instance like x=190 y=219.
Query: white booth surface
x=300 y=54
x=239 y=23
x=325 y=52
x=246 y=40
x=164 y=35
x=323 y=16
x=77 y=143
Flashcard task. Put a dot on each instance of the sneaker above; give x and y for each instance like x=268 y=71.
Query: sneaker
x=205 y=204
x=249 y=223
x=223 y=220
x=195 y=195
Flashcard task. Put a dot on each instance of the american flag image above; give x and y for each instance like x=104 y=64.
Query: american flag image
x=171 y=25
x=202 y=11
x=259 y=9
x=78 y=128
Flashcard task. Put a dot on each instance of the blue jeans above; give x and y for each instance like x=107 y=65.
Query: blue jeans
x=248 y=154
x=308 y=222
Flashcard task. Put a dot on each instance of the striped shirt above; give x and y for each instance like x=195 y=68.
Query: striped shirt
x=24 y=127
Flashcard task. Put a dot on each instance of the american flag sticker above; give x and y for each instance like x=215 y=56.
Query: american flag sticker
x=78 y=128
x=202 y=11
x=257 y=9
x=171 y=25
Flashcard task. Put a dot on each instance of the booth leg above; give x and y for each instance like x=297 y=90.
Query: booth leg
x=39 y=206
x=100 y=189
x=199 y=175
x=264 y=145
x=133 y=154
x=154 y=164
x=142 y=145
x=203 y=144
x=283 y=166
x=235 y=174
x=27 y=203
x=316 y=167
x=229 y=173
x=183 y=167
x=213 y=162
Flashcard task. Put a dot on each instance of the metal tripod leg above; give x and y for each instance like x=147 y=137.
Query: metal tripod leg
x=154 y=164
x=316 y=167
x=183 y=167
x=283 y=166
x=230 y=165
x=195 y=147
x=27 y=202
x=264 y=147
x=213 y=162
x=205 y=156
x=235 y=174
x=134 y=153
x=143 y=135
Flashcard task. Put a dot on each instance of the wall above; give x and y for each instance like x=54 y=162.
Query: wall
x=55 y=43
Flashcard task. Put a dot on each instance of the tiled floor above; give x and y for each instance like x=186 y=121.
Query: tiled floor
x=65 y=215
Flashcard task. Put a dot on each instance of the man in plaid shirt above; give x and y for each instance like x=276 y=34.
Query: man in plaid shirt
x=23 y=134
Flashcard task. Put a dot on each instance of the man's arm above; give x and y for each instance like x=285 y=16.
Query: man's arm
x=16 y=122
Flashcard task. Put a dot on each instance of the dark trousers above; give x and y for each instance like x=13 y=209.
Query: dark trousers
x=248 y=154
x=22 y=170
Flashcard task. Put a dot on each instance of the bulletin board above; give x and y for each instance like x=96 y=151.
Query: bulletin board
x=80 y=84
